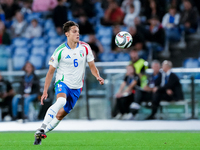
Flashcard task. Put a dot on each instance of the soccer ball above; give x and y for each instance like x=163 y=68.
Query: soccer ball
x=123 y=39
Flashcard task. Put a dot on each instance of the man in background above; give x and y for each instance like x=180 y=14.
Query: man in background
x=6 y=95
x=169 y=90
x=146 y=93
x=140 y=66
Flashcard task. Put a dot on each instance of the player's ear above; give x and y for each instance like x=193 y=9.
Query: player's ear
x=67 y=34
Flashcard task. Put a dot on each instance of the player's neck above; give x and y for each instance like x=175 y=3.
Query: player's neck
x=72 y=45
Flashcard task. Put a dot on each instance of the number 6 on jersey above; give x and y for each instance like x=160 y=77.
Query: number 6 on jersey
x=75 y=63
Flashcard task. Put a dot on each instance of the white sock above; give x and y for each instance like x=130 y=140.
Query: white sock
x=52 y=111
x=52 y=125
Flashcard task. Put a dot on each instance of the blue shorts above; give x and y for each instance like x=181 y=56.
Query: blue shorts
x=72 y=95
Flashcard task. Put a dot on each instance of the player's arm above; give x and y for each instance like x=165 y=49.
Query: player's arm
x=95 y=72
x=48 y=79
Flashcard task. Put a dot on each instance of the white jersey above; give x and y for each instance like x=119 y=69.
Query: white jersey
x=71 y=63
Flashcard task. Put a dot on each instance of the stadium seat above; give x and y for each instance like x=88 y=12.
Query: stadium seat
x=105 y=41
x=37 y=61
x=51 y=50
x=104 y=31
x=122 y=57
x=98 y=10
x=40 y=51
x=47 y=61
x=19 y=61
x=20 y=42
x=70 y=16
x=191 y=63
x=35 y=15
x=38 y=42
x=106 y=48
x=55 y=41
x=85 y=38
x=4 y=63
x=52 y=33
x=107 y=57
x=5 y=51
x=21 y=51
x=48 y=25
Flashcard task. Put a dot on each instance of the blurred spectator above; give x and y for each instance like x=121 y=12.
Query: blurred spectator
x=169 y=90
x=127 y=4
x=10 y=8
x=19 y=26
x=189 y=18
x=170 y=23
x=33 y=30
x=197 y=4
x=85 y=26
x=60 y=16
x=176 y=4
x=29 y=90
x=26 y=7
x=105 y=4
x=138 y=63
x=116 y=30
x=2 y=15
x=95 y=46
x=113 y=15
x=125 y=96
x=130 y=16
x=146 y=94
x=140 y=66
x=152 y=9
x=140 y=27
x=4 y=36
x=138 y=39
x=156 y=37
x=6 y=95
x=43 y=5
x=79 y=7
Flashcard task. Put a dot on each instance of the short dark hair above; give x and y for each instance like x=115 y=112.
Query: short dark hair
x=172 y=7
x=67 y=26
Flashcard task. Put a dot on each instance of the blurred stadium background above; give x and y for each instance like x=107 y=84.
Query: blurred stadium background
x=96 y=101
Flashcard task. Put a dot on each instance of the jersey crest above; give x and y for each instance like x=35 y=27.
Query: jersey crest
x=81 y=53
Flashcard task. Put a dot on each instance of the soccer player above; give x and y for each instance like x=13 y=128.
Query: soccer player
x=70 y=61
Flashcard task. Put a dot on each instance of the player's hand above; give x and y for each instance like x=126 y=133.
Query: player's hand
x=44 y=97
x=101 y=80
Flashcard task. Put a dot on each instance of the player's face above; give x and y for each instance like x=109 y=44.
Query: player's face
x=73 y=34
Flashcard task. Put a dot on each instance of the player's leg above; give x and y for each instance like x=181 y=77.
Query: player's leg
x=50 y=115
x=53 y=110
x=72 y=98
x=56 y=120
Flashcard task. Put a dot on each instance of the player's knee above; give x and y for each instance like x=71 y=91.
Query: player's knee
x=60 y=116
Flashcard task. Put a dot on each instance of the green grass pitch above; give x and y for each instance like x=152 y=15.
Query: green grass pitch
x=134 y=140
